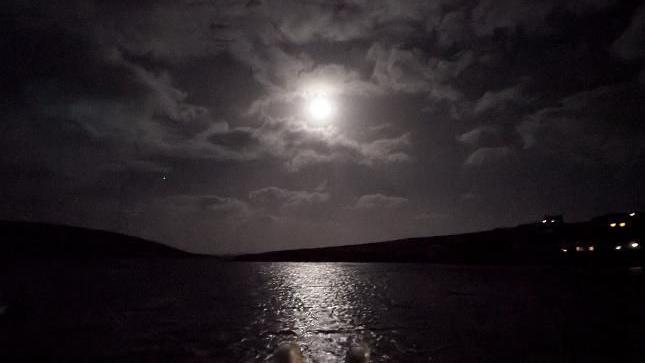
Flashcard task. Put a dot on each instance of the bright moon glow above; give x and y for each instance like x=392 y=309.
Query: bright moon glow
x=320 y=109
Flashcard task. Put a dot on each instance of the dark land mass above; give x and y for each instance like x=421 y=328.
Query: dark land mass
x=525 y=244
x=40 y=240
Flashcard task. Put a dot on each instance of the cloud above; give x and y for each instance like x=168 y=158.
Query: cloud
x=498 y=100
x=169 y=101
x=301 y=22
x=528 y=15
x=380 y=201
x=629 y=45
x=480 y=135
x=142 y=134
x=528 y=129
x=287 y=198
x=300 y=145
x=143 y=166
x=388 y=150
x=411 y=70
x=306 y=21
x=163 y=121
x=490 y=15
x=211 y=204
x=586 y=6
x=454 y=29
x=293 y=87
x=336 y=80
x=598 y=125
x=272 y=67
x=159 y=122
x=152 y=119
x=399 y=70
x=170 y=31
x=431 y=217
x=293 y=142
x=486 y=155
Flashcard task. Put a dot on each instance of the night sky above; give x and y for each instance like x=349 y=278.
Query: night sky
x=239 y=126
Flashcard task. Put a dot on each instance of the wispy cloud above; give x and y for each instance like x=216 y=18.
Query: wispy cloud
x=380 y=201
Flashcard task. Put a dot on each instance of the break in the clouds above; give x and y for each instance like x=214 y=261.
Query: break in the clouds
x=191 y=122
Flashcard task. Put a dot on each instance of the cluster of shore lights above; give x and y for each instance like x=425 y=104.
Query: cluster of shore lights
x=582 y=249
x=621 y=224
x=633 y=245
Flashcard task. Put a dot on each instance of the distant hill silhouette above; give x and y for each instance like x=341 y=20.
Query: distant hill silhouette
x=494 y=246
x=27 y=239
x=535 y=243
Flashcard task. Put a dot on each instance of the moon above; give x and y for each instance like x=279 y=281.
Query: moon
x=320 y=109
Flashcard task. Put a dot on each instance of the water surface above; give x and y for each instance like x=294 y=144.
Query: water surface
x=205 y=311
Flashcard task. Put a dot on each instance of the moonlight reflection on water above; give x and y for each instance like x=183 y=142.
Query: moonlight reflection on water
x=318 y=306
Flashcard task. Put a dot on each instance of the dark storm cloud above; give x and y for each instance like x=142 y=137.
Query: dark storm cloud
x=185 y=120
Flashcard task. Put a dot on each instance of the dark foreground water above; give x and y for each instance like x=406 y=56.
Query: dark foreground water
x=205 y=311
